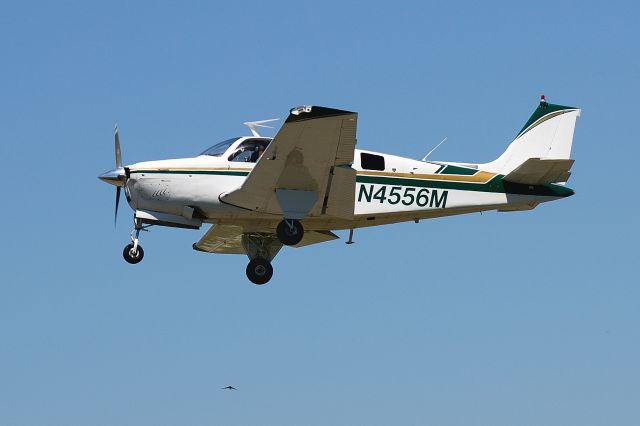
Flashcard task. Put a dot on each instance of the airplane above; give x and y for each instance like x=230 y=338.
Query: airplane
x=294 y=189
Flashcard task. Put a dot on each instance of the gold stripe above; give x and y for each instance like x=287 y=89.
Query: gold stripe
x=480 y=177
x=545 y=118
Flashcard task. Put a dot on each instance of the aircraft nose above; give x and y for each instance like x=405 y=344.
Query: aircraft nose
x=115 y=177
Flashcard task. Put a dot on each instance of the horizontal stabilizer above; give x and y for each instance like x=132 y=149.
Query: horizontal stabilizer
x=536 y=171
x=518 y=207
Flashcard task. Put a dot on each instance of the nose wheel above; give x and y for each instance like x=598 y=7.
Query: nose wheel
x=133 y=254
x=259 y=271
x=290 y=232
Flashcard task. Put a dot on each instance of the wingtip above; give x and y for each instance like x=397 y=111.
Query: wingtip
x=308 y=112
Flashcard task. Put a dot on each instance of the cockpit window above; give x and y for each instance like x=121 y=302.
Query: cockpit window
x=250 y=150
x=220 y=148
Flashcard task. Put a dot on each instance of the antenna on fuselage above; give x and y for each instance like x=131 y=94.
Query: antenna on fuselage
x=253 y=124
x=434 y=148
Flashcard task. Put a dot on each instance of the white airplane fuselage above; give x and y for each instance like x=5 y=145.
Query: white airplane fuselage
x=400 y=189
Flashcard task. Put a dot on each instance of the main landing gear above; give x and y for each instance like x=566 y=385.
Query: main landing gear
x=259 y=271
x=261 y=249
x=290 y=232
x=133 y=252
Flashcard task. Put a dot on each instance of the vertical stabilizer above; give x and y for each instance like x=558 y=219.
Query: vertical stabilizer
x=547 y=135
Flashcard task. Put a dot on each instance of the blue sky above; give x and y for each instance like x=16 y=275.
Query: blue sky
x=495 y=319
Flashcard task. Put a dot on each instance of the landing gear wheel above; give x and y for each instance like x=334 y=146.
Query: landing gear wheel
x=133 y=257
x=290 y=232
x=259 y=271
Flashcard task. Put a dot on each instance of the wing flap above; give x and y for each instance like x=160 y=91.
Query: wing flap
x=315 y=237
x=347 y=143
x=537 y=171
x=341 y=196
x=225 y=239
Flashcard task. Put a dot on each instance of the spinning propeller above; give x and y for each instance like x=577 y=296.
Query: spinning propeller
x=117 y=176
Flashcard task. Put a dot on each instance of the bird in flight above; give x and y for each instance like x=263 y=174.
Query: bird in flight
x=229 y=388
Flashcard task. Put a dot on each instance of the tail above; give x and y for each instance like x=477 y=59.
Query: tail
x=547 y=135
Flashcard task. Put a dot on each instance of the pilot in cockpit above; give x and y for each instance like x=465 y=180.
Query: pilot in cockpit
x=249 y=151
x=257 y=152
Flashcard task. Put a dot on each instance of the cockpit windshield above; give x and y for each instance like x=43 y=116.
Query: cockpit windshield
x=220 y=148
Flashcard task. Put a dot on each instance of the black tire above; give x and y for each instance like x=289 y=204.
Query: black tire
x=259 y=271
x=290 y=235
x=130 y=257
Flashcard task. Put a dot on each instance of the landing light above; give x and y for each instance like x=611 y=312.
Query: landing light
x=299 y=110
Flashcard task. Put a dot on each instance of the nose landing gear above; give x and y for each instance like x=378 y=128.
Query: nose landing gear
x=133 y=252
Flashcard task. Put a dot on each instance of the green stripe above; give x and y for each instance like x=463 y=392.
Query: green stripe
x=496 y=185
x=543 y=109
x=457 y=170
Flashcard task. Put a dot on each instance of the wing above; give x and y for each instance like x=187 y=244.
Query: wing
x=227 y=239
x=306 y=170
x=315 y=237
x=536 y=171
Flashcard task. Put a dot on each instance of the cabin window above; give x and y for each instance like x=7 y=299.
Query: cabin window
x=371 y=161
